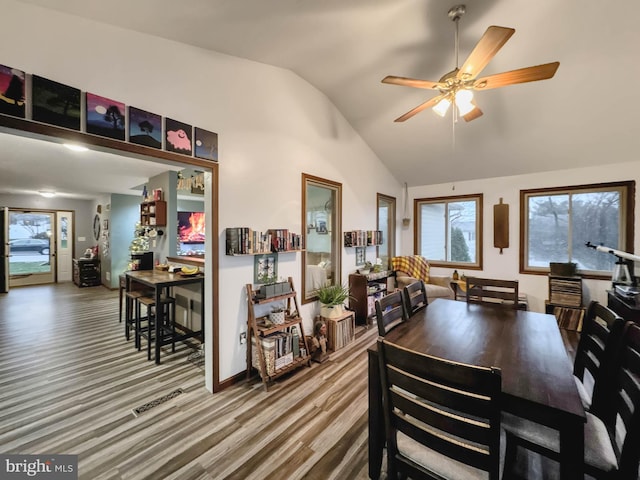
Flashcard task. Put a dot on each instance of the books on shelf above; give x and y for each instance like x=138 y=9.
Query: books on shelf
x=565 y=291
x=278 y=350
x=246 y=241
x=362 y=238
x=341 y=331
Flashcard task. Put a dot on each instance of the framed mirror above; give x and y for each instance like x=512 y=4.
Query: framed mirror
x=386 y=222
x=322 y=226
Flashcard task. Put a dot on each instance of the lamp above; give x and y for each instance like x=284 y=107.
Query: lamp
x=463 y=101
x=47 y=194
x=442 y=106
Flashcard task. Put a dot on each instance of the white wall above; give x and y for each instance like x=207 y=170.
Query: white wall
x=272 y=126
x=508 y=188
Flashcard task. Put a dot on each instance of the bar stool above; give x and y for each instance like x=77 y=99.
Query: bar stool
x=167 y=329
x=131 y=309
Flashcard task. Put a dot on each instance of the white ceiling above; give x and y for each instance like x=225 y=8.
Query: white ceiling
x=585 y=115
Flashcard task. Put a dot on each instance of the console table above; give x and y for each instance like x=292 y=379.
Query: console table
x=624 y=307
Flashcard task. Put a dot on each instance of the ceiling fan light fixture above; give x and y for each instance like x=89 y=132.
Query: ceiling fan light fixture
x=442 y=106
x=463 y=101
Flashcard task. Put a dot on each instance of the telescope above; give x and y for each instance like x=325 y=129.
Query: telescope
x=621 y=272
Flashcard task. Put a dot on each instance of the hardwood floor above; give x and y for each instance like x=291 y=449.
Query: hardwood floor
x=69 y=381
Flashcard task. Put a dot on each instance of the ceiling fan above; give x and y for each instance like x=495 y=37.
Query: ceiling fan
x=457 y=86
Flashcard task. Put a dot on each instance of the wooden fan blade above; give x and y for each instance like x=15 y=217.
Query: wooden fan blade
x=522 y=75
x=412 y=82
x=429 y=103
x=490 y=43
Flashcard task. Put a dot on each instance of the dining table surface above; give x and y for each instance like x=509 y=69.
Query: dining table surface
x=537 y=374
x=161 y=281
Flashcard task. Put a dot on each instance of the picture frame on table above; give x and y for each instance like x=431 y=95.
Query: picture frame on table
x=361 y=256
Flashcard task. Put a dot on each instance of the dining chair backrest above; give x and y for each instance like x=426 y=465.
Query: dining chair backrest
x=390 y=312
x=415 y=297
x=599 y=341
x=623 y=422
x=490 y=291
x=440 y=416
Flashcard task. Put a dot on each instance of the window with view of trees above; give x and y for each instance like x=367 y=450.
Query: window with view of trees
x=557 y=223
x=449 y=230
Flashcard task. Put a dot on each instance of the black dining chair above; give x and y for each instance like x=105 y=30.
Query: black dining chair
x=442 y=418
x=415 y=297
x=599 y=342
x=494 y=292
x=612 y=430
x=390 y=312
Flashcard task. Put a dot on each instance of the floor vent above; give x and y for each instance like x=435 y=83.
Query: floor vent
x=197 y=358
x=154 y=403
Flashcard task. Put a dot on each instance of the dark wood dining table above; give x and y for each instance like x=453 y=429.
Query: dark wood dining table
x=537 y=375
x=161 y=281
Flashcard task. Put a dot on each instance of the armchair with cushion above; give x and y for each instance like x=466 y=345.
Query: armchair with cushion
x=411 y=268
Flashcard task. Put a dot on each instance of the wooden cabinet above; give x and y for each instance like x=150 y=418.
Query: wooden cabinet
x=86 y=272
x=274 y=349
x=625 y=307
x=364 y=291
x=153 y=214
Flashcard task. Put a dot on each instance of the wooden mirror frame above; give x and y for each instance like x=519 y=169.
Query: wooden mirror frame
x=334 y=231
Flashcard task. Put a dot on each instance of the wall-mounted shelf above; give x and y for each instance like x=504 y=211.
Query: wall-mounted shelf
x=245 y=241
x=362 y=238
x=153 y=214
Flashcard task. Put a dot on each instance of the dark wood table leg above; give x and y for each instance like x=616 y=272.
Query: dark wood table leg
x=159 y=320
x=572 y=451
x=376 y=420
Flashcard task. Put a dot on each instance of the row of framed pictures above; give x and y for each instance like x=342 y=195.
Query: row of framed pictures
x=61 y=105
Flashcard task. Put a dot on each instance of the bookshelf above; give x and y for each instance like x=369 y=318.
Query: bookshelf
x=364 y=291
x=565 y=301
x=246 y=241
x=362 y=238
x=275 y=349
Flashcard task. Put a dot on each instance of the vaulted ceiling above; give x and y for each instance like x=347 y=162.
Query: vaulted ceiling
x=585 y=115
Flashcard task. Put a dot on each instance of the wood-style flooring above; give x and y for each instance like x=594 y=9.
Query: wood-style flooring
x=69 y=382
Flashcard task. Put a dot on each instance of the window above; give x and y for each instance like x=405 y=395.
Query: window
x=449 y=230
x=556 y=224
x=387 y=224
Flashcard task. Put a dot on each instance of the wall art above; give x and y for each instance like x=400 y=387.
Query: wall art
x=12 y=92
x=105 y=117
x=145 y=128
x=178 y=136
x=55 y=103
x=206 y=144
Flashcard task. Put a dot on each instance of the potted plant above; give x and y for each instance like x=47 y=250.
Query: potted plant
x=332 y=298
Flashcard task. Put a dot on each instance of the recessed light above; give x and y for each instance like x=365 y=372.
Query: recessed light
x=75 y=147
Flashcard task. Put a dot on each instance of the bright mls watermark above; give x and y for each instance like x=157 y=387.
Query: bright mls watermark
x=49 y=467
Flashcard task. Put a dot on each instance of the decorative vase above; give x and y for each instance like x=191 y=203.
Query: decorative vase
x=277 y=317
x=331 y=311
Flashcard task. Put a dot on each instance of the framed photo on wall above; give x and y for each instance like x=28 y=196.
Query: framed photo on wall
x=265 y=268
x=361 y=254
